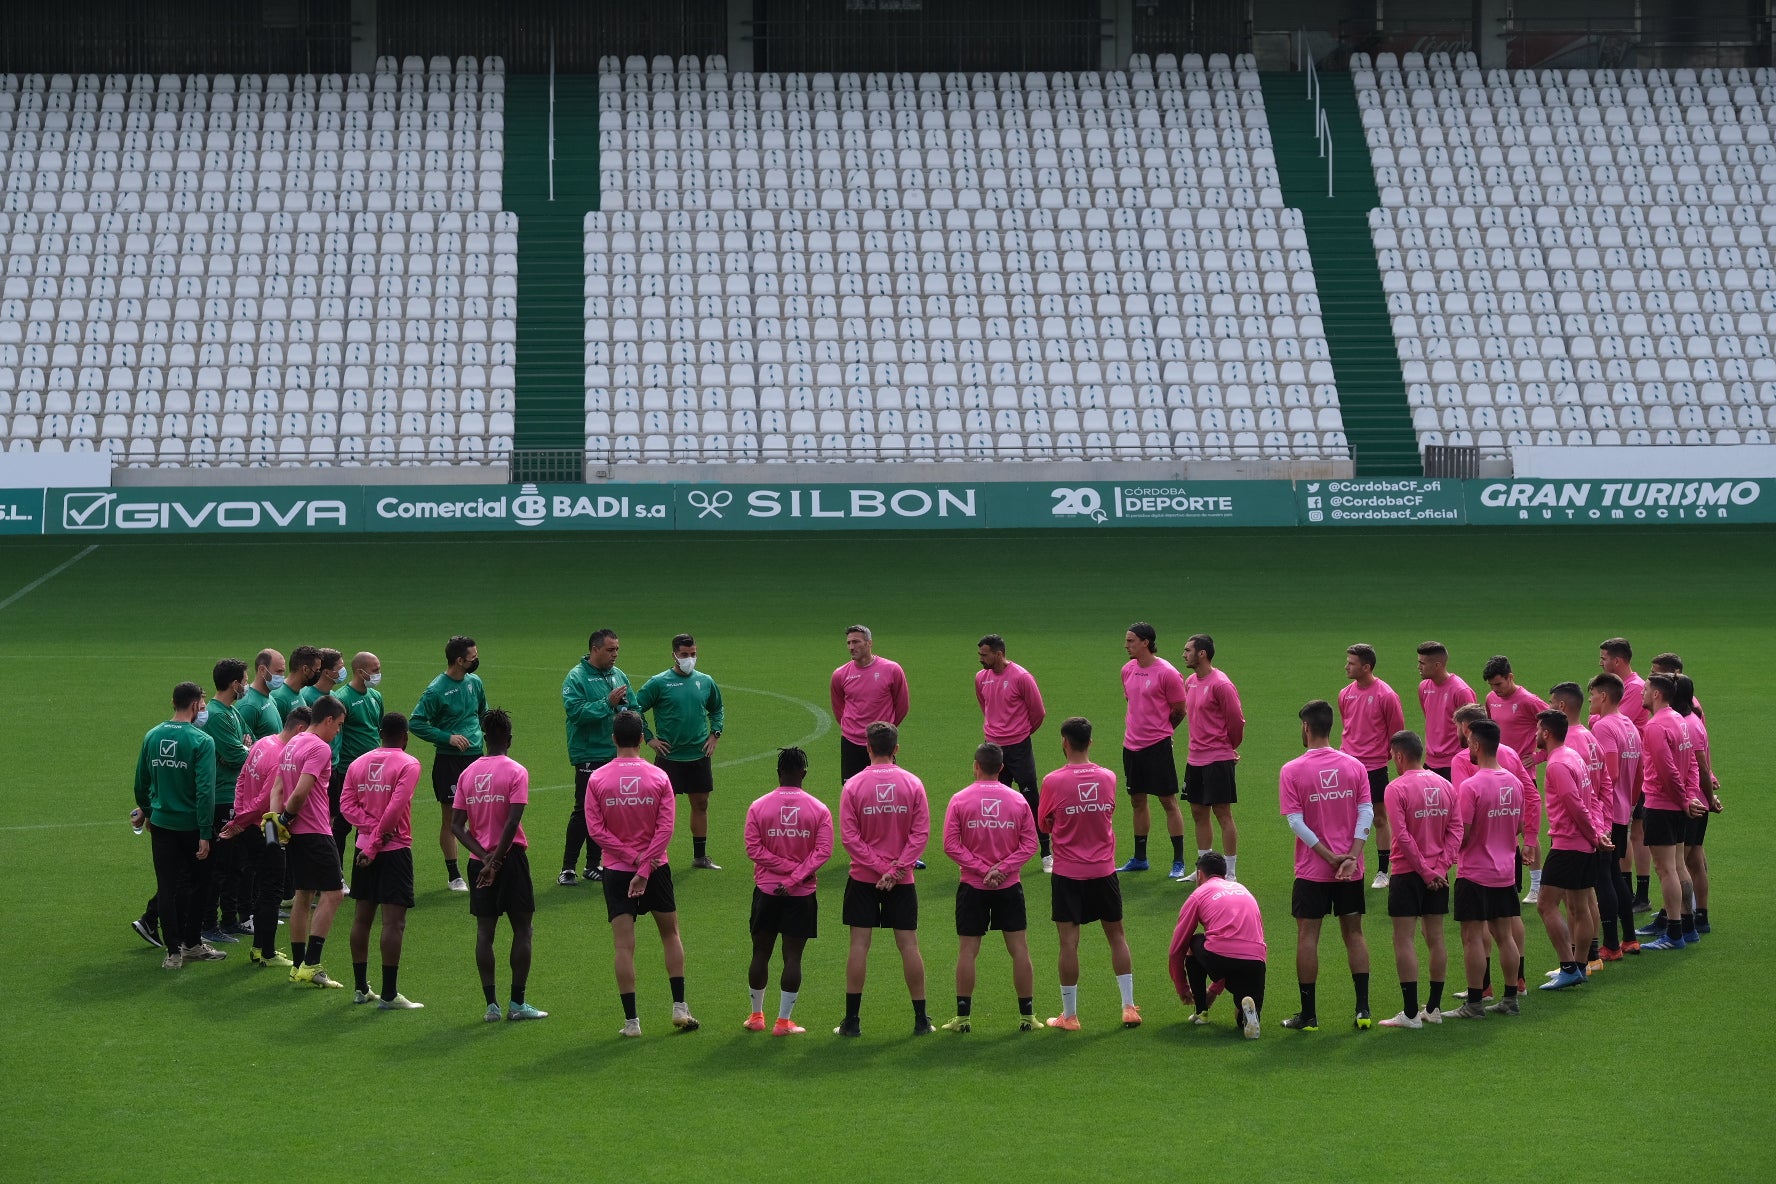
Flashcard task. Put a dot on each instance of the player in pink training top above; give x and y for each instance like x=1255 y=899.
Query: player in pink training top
x=1012 y=711
x=1371 y=713
x=1077 y=810
x=1702 y=785
x=991 y=835
x=1619 y=742
x=1231 y=947
x=1568 y=698
x=1485 y=899
x=299 y=796
x=1427 y=834
x=1324 y=796
x=486 y=816
x=865 y=689
x=1672 y=664
x=1440 y=693
x=1666 y=756
x=630 y=810
x=884 y=822
x=1463 y=768
x=377 y=798
x=1514 y=710
x=264 y=861
x=1615 y=656
x=1217 y=729
x=789 y=836
x=1575 y=831
x=1155 y=693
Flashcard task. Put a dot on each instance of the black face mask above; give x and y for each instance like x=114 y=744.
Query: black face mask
x=472 y=666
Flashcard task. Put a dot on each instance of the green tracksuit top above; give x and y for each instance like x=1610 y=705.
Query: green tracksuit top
x=260 y=717
x=285 y=699
x=585 y=696
x=362 y=730
x=226 y=729
x=451 y=708
x=176 y=778
x=686 y=708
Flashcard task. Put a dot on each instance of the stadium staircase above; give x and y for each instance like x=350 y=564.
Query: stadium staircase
x=1359 y=333
x=551 y=259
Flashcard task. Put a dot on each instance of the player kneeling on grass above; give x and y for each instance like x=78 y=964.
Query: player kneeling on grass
x=629 y=814
x=1229 y=950
x=1575 y=832
x=789 y=836
x=990 y=833
x=299 y=796
x=1427 y=834
x=486 y=813
x=377 y=798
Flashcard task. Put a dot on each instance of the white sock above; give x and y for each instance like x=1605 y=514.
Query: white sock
x=1070 y=1000
x=785 y=1008
x=1201 y=851
x=1126 y=984
x=1232 y=860
x=758 y=1001
x=1535 y=879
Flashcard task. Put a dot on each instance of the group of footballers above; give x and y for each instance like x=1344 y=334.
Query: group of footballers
x=253 y=794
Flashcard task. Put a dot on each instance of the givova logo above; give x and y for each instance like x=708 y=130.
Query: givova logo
x=95 y=510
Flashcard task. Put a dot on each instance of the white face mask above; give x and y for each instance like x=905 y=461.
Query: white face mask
x=203 y=716
x=686 y=665
x=277 y=681
x=338 y=676
x=373 y=679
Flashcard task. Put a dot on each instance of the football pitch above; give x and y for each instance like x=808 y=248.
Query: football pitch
x=118 y=1070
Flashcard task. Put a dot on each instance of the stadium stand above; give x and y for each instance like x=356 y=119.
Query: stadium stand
x=1576 y=257
x=958 y=267
x=263 y=270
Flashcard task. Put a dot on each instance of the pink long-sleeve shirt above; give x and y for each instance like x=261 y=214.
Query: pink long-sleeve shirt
x=1634 y=700
x=629 y=813
x=1077 y=808
x=1427 y=826
x=486 y=792
x=1617 y=736
x=1492 y=821
x=1371 y=716
x=1231 y=923
x=789 y=837
x=308 y=753
x=1692 y=768
x=1327 y=788
x=1011 y=703
x=1463 y=768
x=377 y=798
x=884 y=822
x=1665 y=750
x=862 y=695
x=1516 y=718
x=252 y=793
x=1153 y=691
x=1439 y=704
x=1573 y=821
x=1217 y=721
x=1583 y=741
x=986 y=826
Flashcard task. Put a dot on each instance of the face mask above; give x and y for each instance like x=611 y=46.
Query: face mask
x=277 y=681
x=472 y=666
x=338 y=676
x=686 y=665
x=373 y=679
x=203 y=716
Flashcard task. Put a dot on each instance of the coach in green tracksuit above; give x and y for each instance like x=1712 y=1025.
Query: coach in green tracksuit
x=448 y=718
x=591 y=695
x=222 y=896
x=259 y=715
x=361 y=732
x=176 y=796
x=687 y=707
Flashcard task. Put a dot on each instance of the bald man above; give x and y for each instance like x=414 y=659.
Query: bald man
x=361 y=732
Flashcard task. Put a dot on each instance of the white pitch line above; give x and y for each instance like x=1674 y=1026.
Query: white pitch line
x=43 y=579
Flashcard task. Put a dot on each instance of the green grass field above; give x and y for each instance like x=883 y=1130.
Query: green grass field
x=118 y=1070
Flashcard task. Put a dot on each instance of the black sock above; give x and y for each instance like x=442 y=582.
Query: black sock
x=1436 y=997
x=1308 y=1010
x=1511 y=991
x=1522 y=969
x=450 y=871
x=1177 y=848
x=918 y=1010
x=389 y=974
x=1140 y=846
x=1042 y=839
x=964 y=1004
x=1687 y=924
x=1701 y=916
x=1362 y=984
x=314 y=950
x=487 y=990
x=517 y=992
x=853 y=1004
x=361 y=976
x=677 y=984
x=1569 y=968
x=1487 y=981
x=1474 y=996
x=1641 y=884
x=1595 y=950
x=628 y=998
x=1381 y=856
x=1409 y=991
x=1026 y=1005
x=298 y=950
x=1612 y=934
x=699 y=847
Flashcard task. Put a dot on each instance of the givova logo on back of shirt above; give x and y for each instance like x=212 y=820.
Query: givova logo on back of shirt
x=885 y=803
x=482 y=793
x=168 y=757
x=629 y=793
x=1088 y=801
x=1434 y=806
x=788 y=824
x=991 y=817
x=1329 y=790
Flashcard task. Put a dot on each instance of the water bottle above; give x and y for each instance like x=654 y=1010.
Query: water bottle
x=138 y=824
x=271 y=831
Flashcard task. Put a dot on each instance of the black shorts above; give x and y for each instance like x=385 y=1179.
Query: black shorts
x=1378 y=783
x=446 y=768
x=1443 y=772
x=659 y=897
x=510 y=893
x=1664 y=828
x=1320 y=898
x=314 y=863
x=1080 y=902
x=792 y=916
x=1476 y=902
x=335 y=788
x=981 y=909
x=1410 y=896
x=1151 y=770
x=1020 y=767
x=853 y=759
x=1695 y=830
x=696 y=776
x=1211 y=784
x=1638 y=814
x=387 y=879
x=1574 y=871
x=868 y=907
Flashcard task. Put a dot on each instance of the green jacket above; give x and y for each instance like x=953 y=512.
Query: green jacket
x=260 y=717
x=686 y=707
x=585 y=696
x=226 y=729
x=451 y=708
x=176 y=778
x=285 y=699
x=362 y=730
